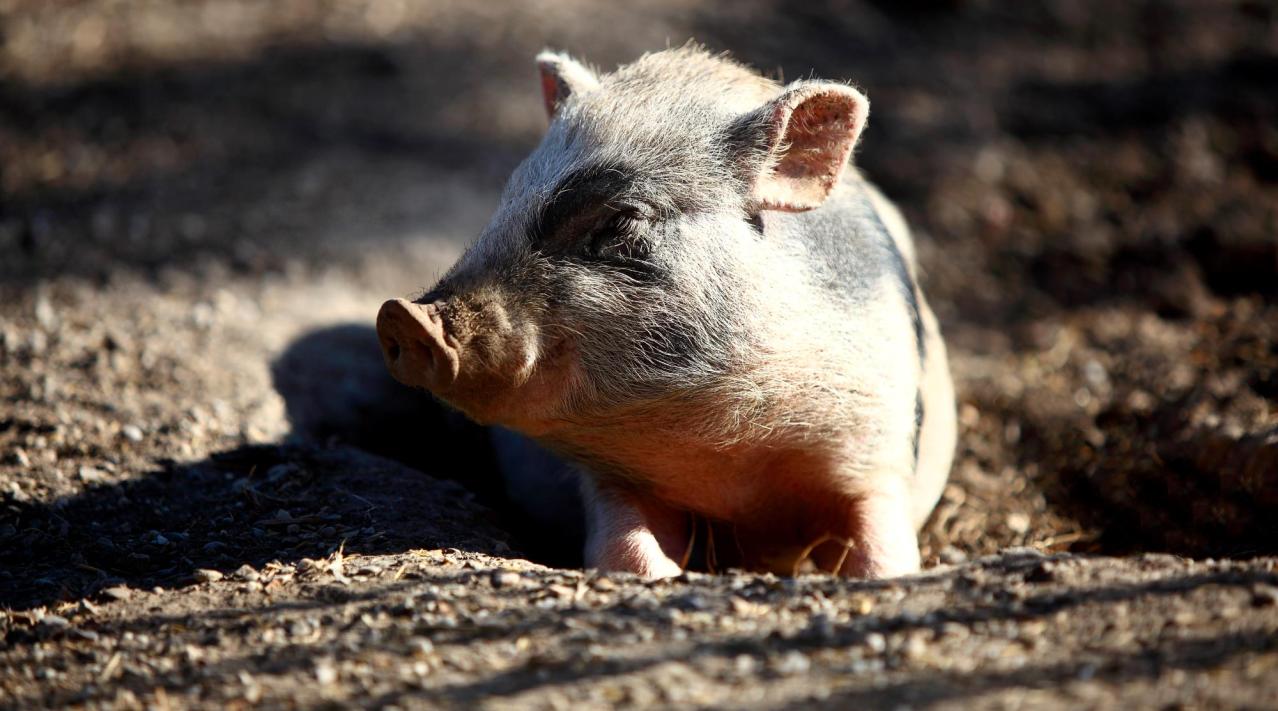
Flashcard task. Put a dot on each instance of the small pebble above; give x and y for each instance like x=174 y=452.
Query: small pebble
x=793 y=662
x=309 y=565
x=915 y=647
x=45 y=313
x=52 y=624
x=19 y=456
x=692 y=602
x=204 y=575
x=953 y=630
x=325 y=672
x=133 y=433
x=876 y=642
x=15 y=490
x=560 y=591
x=821 y=626
x=118 y=592
x=90 y=475
x=1264 y=596
x=86 y=635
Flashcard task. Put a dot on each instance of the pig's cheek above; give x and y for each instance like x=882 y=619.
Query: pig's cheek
x=554 y=375
x=536 y=406
x=527 y=356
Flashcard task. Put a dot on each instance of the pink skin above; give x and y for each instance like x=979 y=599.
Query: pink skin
x=884 y=543
x=642 y=535
x=634 y=534
x=775 y=510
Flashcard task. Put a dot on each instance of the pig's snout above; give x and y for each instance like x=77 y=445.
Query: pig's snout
x=414 y=345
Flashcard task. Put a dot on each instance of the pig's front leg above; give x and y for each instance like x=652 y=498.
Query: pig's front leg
x=879 y=533
x=629 y=532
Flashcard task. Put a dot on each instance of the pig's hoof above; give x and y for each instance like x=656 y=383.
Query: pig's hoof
x=646 y=567
x=657 y=570
x=880 y=560
x=638 y=554
x=663 y=568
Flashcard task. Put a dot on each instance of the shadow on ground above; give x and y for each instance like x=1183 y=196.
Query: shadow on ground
x=250 y=505
x=336 y=389
x=370 y=465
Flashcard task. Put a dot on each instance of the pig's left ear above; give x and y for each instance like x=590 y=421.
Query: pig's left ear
x=562 y=76
x=805 y=136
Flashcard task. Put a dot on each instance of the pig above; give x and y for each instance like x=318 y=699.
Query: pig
x=690 y=296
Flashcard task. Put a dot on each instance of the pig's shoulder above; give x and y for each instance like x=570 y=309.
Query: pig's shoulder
x=848 y=244
x=852 y=252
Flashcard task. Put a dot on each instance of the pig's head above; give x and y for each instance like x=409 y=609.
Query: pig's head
x=626 y=265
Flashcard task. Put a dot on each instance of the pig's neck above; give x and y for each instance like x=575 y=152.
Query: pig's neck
x=683 y=452
x=727 y=481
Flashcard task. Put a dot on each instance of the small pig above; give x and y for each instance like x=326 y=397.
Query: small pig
x=690 y=296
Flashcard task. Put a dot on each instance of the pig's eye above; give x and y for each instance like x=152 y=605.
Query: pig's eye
x=616 y=236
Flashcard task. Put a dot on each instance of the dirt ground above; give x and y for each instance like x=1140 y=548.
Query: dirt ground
x=212 y=495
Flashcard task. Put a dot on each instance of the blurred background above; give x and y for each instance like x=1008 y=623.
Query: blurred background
x=203 y=202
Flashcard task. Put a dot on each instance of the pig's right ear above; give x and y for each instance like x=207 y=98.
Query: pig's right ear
x=796 y=147
x=562 y=76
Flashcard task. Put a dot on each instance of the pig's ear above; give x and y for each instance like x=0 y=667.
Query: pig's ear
x=804 y=137
x=562 y=76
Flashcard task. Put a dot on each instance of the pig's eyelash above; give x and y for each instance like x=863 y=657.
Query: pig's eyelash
x=619 y=224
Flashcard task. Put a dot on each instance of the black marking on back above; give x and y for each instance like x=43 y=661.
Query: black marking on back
x=918 y=425
x=910 y=291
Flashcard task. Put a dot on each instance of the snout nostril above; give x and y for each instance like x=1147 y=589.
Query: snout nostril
x=428 y=354
x=392 y=350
